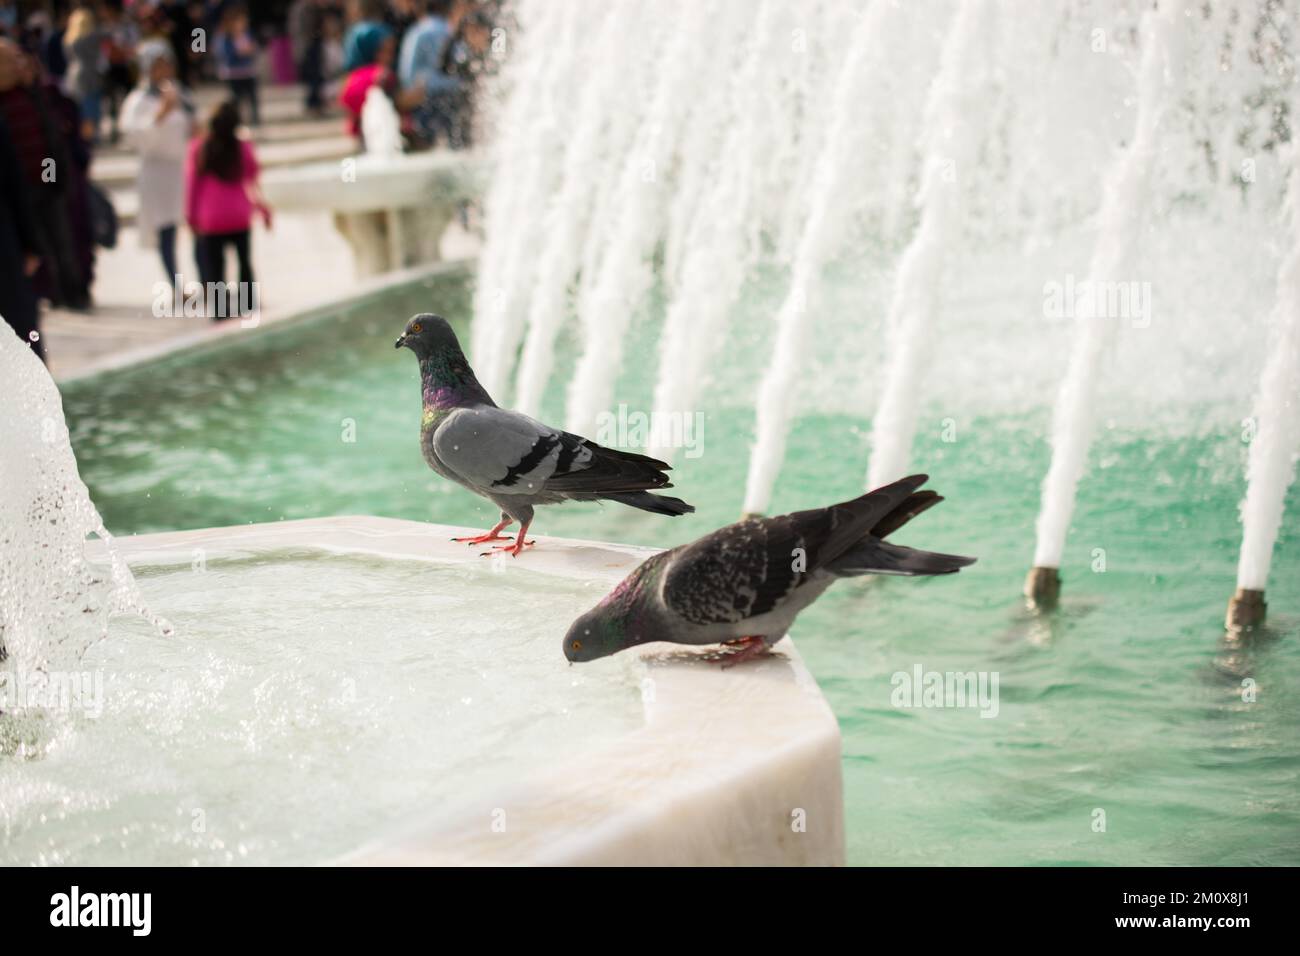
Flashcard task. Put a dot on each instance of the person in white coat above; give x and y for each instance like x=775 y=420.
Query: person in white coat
x=158 y=119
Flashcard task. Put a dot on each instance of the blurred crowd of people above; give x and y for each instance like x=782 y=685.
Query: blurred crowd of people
x=427 y=56
x=77 y=75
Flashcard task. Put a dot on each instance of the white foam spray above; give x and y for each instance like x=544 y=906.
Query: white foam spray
x=588 y=155
x=720 y=232
x=838 y=172
x=1123 y=215
x=543 y=80
x=53 y=602
x=1276 y=443
x=951 y=139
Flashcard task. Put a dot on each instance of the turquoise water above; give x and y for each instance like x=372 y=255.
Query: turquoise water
x=1126 y=702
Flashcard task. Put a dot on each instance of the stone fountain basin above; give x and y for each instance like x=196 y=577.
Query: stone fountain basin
x=367 y=183
x=737 y=766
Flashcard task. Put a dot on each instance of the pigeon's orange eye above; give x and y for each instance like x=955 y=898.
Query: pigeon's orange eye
x=577 y=645
x=416 y=328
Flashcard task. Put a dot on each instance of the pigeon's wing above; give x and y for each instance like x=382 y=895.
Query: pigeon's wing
x=509 y=453
x=499 y=450
x=596 y=469
x=737 y=572
x=749 y=568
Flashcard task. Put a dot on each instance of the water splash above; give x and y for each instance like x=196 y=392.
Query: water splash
x=530 y=133
x=54 y=602
x=741 y=206
x=1125 y=201
x=951 y=141
x=720 y=233
x=837 y=175
x=1274 y=448
x=570 y=213
x=629 y=230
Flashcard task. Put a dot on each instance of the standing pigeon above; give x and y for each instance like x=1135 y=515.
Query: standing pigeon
x=512 y=460
x=745 y=584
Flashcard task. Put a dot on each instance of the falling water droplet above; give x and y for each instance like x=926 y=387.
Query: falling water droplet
x=34 y=336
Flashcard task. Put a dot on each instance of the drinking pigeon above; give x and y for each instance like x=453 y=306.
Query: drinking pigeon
x=515 y=461
x=743 y=585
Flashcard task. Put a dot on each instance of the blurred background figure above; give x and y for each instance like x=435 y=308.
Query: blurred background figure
x=332 y=47
x=120 y=37
x=178 y=26
x=401 y=15
x=51 y=48
x=83 y=79
x=306 y=27
x=421 y=71
x=52 y=160
x=158 y=120
x=236 y=52
x=221 y=196
x=373 y=48
x=363 y=17
x=469 y=60
x=19 y=249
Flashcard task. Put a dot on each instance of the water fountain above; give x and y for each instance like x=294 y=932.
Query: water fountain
x=270 y=727
x=1011 y=149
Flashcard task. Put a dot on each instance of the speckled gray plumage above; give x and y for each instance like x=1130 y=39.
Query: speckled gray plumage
x=752 y=578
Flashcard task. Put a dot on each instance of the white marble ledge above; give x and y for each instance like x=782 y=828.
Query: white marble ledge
x=732 y=767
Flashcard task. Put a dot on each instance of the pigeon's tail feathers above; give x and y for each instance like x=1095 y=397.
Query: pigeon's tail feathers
x=840 y=527
x=888 y=509
x=658 y=504
x=873 y=556
x=912 y=506
x=607 y=472
x=630 y=457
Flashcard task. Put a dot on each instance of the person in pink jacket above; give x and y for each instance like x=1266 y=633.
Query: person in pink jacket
x=221 y=196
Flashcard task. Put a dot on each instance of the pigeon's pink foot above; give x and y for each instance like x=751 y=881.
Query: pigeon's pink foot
x=484 y=538
x=512 y=549
x=489 y=536
x=750 y=648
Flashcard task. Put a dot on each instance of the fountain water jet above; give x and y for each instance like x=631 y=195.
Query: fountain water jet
x=1274 y=447
x=836 y=174
x=1049 y=122
x=951 y=141
x=625 y=272
x=536 y=121
x=570 y=214
x=1123 y=215
x=711 y=279
x=53 y=602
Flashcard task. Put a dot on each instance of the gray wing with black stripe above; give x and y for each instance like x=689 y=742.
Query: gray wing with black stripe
x=505 y=452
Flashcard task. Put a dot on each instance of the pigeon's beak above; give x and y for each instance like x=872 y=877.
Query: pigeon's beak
x=401 y=340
